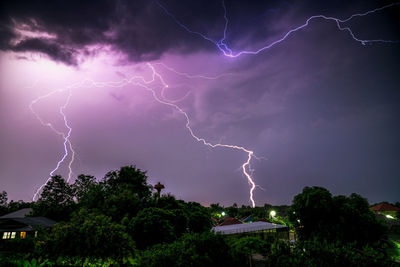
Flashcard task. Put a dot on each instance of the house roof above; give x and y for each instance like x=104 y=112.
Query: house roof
x=17 y=214
x=248 y=219
x=246 y=227
x=25 y=224
x=384 y=207
x=16 y=221
x=230 y=221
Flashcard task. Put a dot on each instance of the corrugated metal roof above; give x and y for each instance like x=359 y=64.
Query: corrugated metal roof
x=246 y=227
x=17 y=214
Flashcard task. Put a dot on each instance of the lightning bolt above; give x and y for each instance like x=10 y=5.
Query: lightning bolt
x=228 y=52
x=138 y=81
x=191 y=76
x=67 y=143
x=250 y=153
x=141 y=82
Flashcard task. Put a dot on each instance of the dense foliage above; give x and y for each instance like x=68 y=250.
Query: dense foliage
x=318 y=215
x=121 y=221
x=206 y=249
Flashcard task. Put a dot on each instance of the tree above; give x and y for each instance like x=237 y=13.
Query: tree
x=318 y=215
x=152 y=226
x=17 y=205
x=129 y=178
x=93 y=197
x=3 y=198
x=312 y=209
x=189 y=217
x=196 y=250
x=56 y=200
x=83 y=185
x=356 y=222
x=323 y=253
x=122 y=203
x=244 y=247
x=88 y=234
x=199 y=218
x=3 y=202
x=233 y=210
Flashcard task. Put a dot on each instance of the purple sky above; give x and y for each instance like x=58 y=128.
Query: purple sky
x=320 y=108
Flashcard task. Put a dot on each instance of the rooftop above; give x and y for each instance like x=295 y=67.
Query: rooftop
x=229 y=221
x=384 y=207
x=246 y=227
x=17 y=214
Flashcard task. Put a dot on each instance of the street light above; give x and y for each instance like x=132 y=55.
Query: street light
x=272 y=213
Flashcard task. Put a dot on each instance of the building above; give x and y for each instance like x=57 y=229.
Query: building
x=229 y=221
x=388 y=213
x=262 y=229
x=17 y=225
x=385 y=208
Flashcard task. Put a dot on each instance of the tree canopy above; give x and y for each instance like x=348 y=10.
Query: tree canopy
x=318 y=215
x=56 y=200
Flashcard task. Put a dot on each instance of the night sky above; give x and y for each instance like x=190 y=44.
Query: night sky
x=319 y=108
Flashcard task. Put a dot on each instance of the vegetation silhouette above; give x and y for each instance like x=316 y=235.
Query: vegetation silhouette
x=121 y=220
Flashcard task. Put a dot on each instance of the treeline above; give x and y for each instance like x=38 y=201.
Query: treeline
x=122 y=221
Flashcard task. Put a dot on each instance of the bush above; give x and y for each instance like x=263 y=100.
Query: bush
x=205 y=249
x=87 y=234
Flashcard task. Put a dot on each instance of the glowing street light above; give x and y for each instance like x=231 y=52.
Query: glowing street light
x=272 y=213
x=223 y=213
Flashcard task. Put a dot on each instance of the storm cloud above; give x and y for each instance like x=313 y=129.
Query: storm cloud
x=319 y=108
x=143 y=30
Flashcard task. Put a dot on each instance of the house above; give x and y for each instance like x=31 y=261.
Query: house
x=17 y=225
x=248 y=219
x=229 y=221
x=385 y=209
x=262 y=229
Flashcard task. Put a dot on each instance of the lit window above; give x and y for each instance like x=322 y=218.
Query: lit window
x=6 y=235
x=35 y=233
x=23 y=234
x=13 y=235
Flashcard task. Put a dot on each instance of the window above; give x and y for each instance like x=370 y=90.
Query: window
x=6 y=235
x=23 y=234
x=35 y=233
x=13 y=235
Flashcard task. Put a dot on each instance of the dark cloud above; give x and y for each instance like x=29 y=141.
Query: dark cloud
x=142 y=29
x=53 y=50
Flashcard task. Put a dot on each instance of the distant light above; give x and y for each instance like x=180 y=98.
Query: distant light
x=223 y=213
x=389 y=217
x=298 y=220
x=272 y=213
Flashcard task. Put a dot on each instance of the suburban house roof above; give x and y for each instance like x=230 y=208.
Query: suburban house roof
x=17 y=214
x=384 y=207
x=248 y=219
x=230 y=221
x=16 y=221
x=246 y=227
